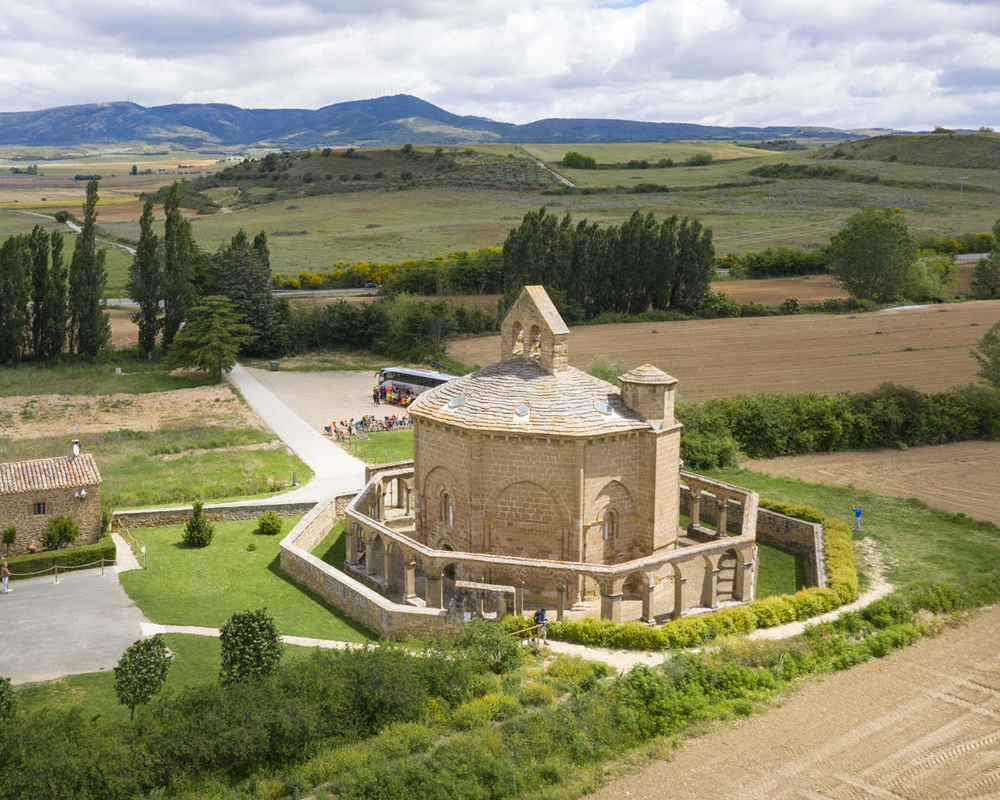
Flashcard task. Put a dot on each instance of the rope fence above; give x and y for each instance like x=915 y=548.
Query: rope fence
x=102 y=563
x=136 y=548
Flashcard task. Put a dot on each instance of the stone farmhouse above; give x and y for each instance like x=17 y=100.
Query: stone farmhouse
x=33 y=492
x=536 y=484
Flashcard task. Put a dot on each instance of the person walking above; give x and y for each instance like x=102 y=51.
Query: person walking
x=5 y=575
x=541 y=635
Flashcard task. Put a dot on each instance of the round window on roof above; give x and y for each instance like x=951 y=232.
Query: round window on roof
x=455 y=402
x=522 y=410
x=605 y=408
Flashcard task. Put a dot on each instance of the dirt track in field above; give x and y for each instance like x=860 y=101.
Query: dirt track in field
x=927 y=348
x=922 y=724
x=963 y=476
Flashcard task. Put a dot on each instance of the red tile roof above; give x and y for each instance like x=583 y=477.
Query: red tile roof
x=48 y=473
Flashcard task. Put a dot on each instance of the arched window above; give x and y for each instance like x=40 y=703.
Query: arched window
x=517 y=349
x=610 y=524
x=535 y=349
x=447 y=510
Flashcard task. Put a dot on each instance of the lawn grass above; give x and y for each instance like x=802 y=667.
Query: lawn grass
x=168 y=466
x=196 y=660
x=917 y=543
x=191 y=586
x=333 y=549
x=778 y=571
x=83 y=377
x=382 y=447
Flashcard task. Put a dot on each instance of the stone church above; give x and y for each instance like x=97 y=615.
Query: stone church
x=532 y=475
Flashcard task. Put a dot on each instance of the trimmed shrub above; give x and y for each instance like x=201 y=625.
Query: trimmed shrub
x=61 y=530
x=269 y=524
x=838 y=548
x=251 y=647
x=23 y=566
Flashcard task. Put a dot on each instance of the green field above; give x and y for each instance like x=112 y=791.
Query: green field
x=205 y=586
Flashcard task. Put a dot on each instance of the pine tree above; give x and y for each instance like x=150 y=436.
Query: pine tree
x=144 y=282
x=212 y=337
x=244 y=276
x=15 y=260
x=178 y=249
x=89 y=329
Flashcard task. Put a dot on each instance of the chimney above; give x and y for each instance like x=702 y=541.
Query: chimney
x=75 y=448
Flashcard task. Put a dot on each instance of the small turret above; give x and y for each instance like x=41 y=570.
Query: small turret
x=649 y=391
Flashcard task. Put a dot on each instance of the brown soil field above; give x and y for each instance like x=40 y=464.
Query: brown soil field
x=57 y=415
x=773 y=291
x=921 y=724
x=958 y=477
x=927 y=348
x=472 y=301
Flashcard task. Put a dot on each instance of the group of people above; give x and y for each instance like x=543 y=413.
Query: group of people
x=369 y=422
x=385 y=393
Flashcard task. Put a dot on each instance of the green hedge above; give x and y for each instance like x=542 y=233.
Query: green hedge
x=21 y=566
x=767 y=612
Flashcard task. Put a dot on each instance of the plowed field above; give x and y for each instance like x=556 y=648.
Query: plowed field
x=927 y=348
x=963 y=476
x=921 y=724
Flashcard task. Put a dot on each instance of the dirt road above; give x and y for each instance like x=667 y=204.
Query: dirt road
x=922 y=724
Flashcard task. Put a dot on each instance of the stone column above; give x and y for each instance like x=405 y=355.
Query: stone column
x=390 y=583
x=518 y=598
x=611 y=607
x=560 y=602
x=709 y=597
x=695 y=509
x=679 y=582
x=744 y=576
x=351 y=538
x=723 y=519
x=433 y=591
x=409 y=579
x=370 y=556
x=647 y=603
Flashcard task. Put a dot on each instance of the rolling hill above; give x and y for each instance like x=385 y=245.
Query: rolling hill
x=382 y=121
x=960 y=150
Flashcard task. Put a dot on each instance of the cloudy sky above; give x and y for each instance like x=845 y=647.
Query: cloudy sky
x=847 y=63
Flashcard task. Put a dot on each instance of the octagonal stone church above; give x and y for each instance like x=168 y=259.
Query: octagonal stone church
x=534 y=480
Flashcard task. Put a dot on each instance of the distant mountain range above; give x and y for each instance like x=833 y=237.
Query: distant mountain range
x=391 y=120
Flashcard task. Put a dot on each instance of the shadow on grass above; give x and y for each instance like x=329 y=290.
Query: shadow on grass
x=275 y=568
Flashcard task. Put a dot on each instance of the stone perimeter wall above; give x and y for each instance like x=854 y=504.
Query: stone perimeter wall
x=778 y=530
x=377 y=613
x=154 y=518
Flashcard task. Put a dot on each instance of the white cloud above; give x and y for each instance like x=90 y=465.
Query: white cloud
x=887 y=63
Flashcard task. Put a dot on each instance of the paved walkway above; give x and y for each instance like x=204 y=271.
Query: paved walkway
x=81 y=624
x=335 y=471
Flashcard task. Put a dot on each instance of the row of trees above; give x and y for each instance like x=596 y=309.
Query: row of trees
x=627 y=268
x=45 y=308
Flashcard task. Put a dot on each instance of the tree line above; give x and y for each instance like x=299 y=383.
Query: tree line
x=627 y=268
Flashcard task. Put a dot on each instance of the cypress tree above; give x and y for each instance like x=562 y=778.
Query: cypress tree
x=144 y=282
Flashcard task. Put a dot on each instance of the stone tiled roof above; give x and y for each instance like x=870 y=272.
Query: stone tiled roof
x=647 y=373
x=558 y=403
x=48 y=473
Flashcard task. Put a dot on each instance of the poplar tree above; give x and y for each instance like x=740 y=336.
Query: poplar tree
x=178 y=248
x=41 y=289
x=14 y=268
x=144 y=282
x=54 y=328
x=89 y=329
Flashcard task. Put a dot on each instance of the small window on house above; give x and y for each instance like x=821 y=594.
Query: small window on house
x=39 y=508
x=610 y=525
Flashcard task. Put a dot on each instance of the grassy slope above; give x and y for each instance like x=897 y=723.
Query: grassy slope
x=382 y=447
x=957 y=150
x=189 y=586
x=85 y=378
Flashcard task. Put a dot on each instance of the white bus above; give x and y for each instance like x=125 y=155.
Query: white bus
x=403 y=382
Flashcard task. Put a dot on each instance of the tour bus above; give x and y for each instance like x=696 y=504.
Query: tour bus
x=404 y=381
